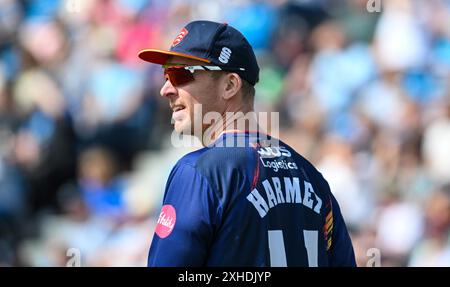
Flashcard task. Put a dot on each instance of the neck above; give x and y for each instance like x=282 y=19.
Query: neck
x=240 y=119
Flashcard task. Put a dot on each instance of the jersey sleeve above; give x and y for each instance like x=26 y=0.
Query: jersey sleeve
x=187 y=222
x=341 y=252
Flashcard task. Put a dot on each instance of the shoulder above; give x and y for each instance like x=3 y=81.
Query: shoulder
x=225 y=169
x=219 y=159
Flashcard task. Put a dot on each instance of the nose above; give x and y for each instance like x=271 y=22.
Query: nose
x=168 y=90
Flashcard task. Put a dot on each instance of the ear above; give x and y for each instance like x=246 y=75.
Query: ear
x=233 y=84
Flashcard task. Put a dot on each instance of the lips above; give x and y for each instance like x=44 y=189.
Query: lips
x=178 y=108
x=178 y=113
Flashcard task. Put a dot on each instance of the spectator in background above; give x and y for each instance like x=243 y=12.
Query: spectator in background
x=13 y=195
x=100 y=183
x=333 y=57
x=434 y=247
x=44 y=146
x=398 y=228
x=292 y=31
x=111 y=109
x=436 y=146
x=352 y=15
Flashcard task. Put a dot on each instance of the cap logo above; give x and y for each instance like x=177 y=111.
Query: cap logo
x=225 y=55
x=180 y=37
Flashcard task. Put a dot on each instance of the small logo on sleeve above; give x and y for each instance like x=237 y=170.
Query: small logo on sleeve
x=166 y=221
x=180 y=37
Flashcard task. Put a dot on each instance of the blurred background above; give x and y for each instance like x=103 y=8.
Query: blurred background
x=85 y=137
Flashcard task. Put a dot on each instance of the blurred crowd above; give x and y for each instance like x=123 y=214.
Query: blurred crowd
x=85 y=137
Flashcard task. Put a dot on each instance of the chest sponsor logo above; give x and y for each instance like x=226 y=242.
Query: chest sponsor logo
x=271 y=152
x=277 y=164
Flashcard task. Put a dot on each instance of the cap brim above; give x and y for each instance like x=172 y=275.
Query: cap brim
x=160 y=56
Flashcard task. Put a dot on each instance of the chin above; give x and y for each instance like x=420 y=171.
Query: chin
x=177 y=128
x=182 y=127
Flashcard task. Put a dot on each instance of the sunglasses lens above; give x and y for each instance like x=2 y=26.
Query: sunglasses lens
x=178 y=76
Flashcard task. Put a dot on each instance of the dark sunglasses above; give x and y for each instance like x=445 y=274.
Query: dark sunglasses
x=180 y=75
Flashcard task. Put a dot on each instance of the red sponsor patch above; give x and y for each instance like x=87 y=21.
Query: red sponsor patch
x=166 y=221
x=180 y=37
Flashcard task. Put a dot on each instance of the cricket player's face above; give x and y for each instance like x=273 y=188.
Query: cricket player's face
x=192 y=100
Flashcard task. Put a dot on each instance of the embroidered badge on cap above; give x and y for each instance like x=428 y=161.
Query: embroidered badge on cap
x=180 y=37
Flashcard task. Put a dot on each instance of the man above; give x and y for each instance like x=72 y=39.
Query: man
x=251 y=203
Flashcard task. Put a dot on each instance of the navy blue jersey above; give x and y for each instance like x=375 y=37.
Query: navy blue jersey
x=258 y=204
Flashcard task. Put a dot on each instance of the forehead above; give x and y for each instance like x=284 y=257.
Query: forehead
x=184 y=61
